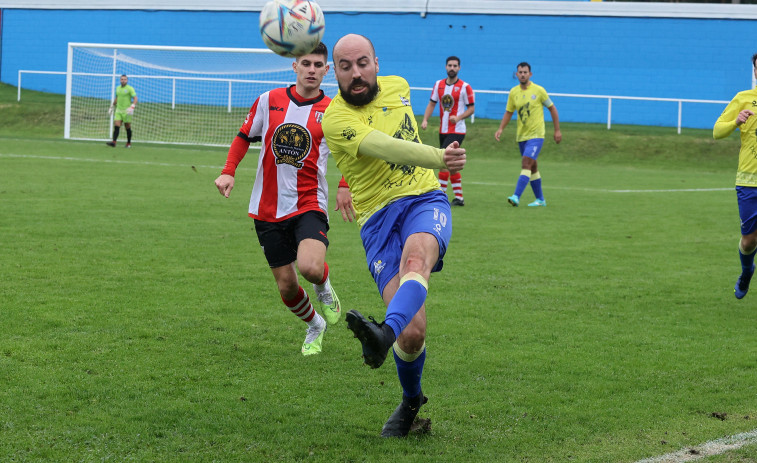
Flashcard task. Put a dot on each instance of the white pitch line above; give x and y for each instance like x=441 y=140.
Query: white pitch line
x=672 y=190
x=708 y=449
x=605 y=190
x=113 y=161
x=165 y=164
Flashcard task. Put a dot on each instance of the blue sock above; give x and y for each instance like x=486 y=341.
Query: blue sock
x=407 y=301
x=747 y=260
x=521 y=185
x=536 y=186
x=410 y=374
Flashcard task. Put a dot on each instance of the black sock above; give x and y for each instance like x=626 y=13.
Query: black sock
x=116 y=129
x=128 y=135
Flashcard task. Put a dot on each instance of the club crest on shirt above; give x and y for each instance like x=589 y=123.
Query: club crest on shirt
x=447 y=102
x=290 y=144
x=405 y=101
x=406 y=130
x=349 y=133
x=378 y=266
x=318 y=116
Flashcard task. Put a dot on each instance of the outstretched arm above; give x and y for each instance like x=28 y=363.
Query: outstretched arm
x=380 y=145
x=454 y=157
x=377 y=144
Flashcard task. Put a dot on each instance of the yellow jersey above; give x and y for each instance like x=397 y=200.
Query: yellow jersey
x=374 y=183
x=529 y=104
x=746 y=174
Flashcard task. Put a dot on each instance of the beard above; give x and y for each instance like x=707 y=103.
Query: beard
x=361 y=99
x=451 y=74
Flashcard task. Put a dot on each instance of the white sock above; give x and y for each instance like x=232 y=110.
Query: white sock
x=324 y=291
x=316 y=322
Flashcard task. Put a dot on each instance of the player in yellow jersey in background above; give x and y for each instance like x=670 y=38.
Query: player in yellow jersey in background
x=527 y=99
x=738 y=114
x=404 y=217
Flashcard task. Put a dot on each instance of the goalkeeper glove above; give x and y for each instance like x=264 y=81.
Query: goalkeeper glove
x=110 y=110
x=130 y=111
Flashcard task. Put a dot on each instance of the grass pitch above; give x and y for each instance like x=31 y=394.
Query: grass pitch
x=140 y=321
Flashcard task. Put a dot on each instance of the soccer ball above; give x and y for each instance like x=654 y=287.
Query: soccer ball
x=292 y=28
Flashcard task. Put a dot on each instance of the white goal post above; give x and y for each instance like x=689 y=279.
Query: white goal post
x=186 y=95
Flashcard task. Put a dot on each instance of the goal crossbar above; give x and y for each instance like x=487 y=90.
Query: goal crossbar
x=186 y=94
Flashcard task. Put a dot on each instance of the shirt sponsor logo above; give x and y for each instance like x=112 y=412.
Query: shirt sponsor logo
x=290 y=144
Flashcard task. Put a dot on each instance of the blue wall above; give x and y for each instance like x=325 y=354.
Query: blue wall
x=652 y=57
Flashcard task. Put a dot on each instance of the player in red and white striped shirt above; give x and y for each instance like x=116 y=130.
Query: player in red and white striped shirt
x=290 y=196
x=457 y=101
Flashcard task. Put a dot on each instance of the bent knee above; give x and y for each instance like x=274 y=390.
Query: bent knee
x=412 y=339
x=311 y=271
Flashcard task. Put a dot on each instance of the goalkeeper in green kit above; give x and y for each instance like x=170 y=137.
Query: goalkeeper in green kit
x=124 y=102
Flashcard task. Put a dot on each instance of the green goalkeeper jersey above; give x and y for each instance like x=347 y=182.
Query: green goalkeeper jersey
x=124 y=95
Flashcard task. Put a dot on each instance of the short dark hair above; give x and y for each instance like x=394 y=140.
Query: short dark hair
x=124 y=75
x=322 y=50
x=754 y=60
x=453 y=58
x=523 y=65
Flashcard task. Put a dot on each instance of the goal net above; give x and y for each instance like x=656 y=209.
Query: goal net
x=186 y=95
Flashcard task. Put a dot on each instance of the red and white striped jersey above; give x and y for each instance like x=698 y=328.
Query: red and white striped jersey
x=454 y=100
x=291 y=174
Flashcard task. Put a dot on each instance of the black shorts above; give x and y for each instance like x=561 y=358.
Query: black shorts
x=280 y=240
x=446 y=138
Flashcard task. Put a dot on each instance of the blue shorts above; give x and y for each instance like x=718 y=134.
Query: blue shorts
x=747 y=197
x=531 y=148
x=385 y=233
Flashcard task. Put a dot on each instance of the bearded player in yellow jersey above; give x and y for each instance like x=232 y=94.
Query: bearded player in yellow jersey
x=404 y=217
x=739 y=114
x=527 y=99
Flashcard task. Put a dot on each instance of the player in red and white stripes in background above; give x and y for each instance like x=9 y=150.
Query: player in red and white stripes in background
x=457 y=99
x=290 y=195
